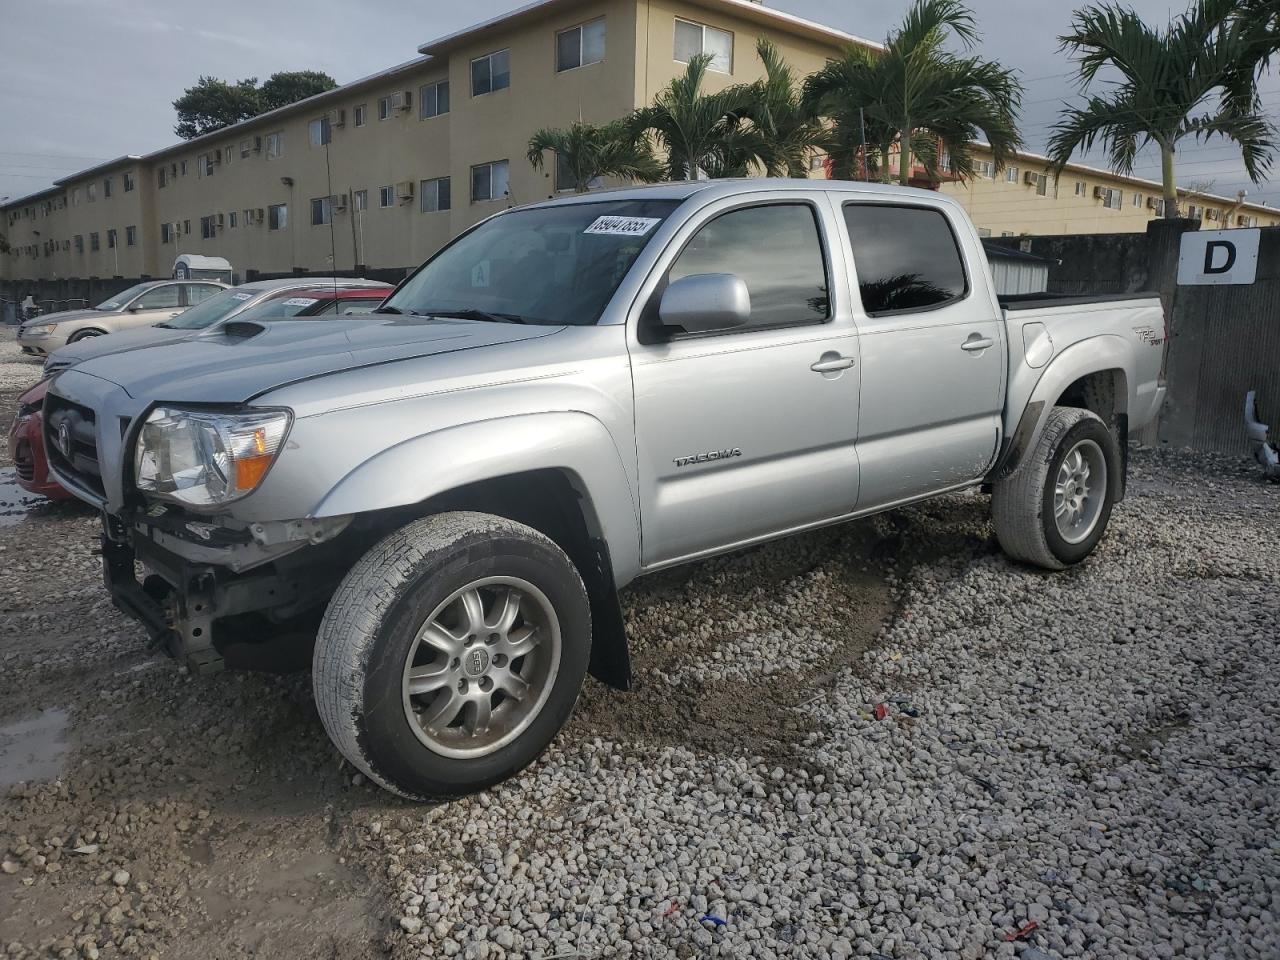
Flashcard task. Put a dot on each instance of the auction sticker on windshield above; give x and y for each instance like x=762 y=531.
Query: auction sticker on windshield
x=622 y=226
x=300 y=301
x=241 y=296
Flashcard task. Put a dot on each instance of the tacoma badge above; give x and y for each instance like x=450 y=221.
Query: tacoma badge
x=708 y=457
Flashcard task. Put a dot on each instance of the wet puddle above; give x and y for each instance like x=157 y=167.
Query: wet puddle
x=14 y=501
x=33 y=748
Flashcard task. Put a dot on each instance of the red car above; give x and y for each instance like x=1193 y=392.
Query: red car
x=26 y=436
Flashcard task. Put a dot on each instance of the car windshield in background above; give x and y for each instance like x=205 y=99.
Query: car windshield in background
x=123 y=297
x=210 y=311
x=557 y=264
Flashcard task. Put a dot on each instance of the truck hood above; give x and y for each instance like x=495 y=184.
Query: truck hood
x=239 y=361
x=82 y=350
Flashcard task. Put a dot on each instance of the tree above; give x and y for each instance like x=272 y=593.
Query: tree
x=589 y=152
x=1195 y=78
x=282 y=89
x=702 y=134
x=790 y=130
x=919 y=97
x=213 y=104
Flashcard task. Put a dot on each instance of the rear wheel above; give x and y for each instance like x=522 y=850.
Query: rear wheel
x=1054 y=508
x=452 y=653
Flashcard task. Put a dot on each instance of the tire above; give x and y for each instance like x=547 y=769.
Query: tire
x=406 y=602
x=1024 y=503
x=85 y=335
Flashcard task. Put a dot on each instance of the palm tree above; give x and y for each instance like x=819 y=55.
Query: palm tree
x=790 y=130
x=1195 y=78
x=919 y=97
x=589 y=152
x=703 y=134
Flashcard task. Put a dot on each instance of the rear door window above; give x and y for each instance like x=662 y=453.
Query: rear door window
x=907 y=258
x=161 y=298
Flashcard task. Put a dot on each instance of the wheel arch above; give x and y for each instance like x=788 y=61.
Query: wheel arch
x=572 y=487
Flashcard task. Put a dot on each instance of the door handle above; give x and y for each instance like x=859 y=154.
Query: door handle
x=832 y=364
x=977 y=341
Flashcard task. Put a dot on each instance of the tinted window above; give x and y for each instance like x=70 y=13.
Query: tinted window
x=159 y=298
x=776 y=252
x=906 y=257
x=200 y=291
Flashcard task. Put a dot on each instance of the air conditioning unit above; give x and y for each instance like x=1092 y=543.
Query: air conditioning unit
x=338 y=202
x=1030 y=179
x=257 y=144
x=1153 y=203
x=1099 y=193
x=403 y=100
x=404 y=191
x=337 y=118
x=1242 y=221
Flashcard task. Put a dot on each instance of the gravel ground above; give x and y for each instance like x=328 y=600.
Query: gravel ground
x=879 y=740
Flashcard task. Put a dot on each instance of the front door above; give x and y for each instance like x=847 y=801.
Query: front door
x=750 y=431
x=933 y=354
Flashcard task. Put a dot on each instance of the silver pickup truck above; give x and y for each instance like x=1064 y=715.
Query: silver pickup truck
x=568 y=396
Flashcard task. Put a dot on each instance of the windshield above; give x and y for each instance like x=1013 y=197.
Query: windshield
x=281 y=307
x=208 y=312
x=124 y=296
x=557 y=264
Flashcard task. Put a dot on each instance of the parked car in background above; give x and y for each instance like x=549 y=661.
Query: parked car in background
x=568 y=396
x=319 y=299
x=277 y=299
x=140 y=306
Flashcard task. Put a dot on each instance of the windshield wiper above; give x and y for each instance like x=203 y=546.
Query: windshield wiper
x=470 y=314
x=163 y=325
x=412 y=313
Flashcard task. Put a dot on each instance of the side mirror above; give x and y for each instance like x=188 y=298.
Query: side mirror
x=704 y=302
x=133 y=309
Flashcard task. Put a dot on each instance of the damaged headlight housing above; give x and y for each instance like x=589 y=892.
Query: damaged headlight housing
x=205 y=458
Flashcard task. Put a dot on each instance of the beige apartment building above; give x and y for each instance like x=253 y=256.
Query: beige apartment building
x=379 y=173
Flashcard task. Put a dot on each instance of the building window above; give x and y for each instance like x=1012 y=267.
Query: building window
x=79 y=243
x=386 y=196
x=162 y=177
x=387 y=106
x=984 y=231
x=130 y=236
x=166 y=233
x=75 y=199
x=986 y=169
x=228 y=152
x=93 y=242
x=1082 y=188
x=489 y=181
x=580 y=45
x=91 y=192
x=1041 y=184
x=1010 y=174
x=1137 y=199
x=246 y=148
x=321 y=211
x=433 y=100
x=278 y=216
x=231 y=220
x=204 y=165
x=106 y=187
x=436 y=195
x=128 y=183
x=1006 y=233
x=1195 y=212
x=360 y=199
x=1112 y=199
x=360 y=114
x=490 y=73
x=111 y=239
x=182 y=167
x=275 y=145
x=695 y=38
x=186 y=228
x=207 y=231
x=319 y=132
x=565 y=179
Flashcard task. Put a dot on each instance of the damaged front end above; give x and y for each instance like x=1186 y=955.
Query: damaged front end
x=208 y=581
x=1266 y=446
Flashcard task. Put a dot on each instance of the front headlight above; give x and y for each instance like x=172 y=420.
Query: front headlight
x=204 y=458
x=40 y=330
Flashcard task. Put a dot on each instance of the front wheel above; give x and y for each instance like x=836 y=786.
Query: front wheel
x=85 y=335
x=451 y=654
x=1054 y=508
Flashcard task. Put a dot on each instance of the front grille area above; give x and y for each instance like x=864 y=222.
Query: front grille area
x=71 y=441
x=23 y=462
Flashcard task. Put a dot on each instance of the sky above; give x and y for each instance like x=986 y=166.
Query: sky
x=91 y=81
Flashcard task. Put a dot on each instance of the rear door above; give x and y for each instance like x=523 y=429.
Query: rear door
x=738 y=435
x=157 y=304
x=932 y=348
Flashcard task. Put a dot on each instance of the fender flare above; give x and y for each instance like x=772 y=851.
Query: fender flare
x=1095 y=355
x=576 y=443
